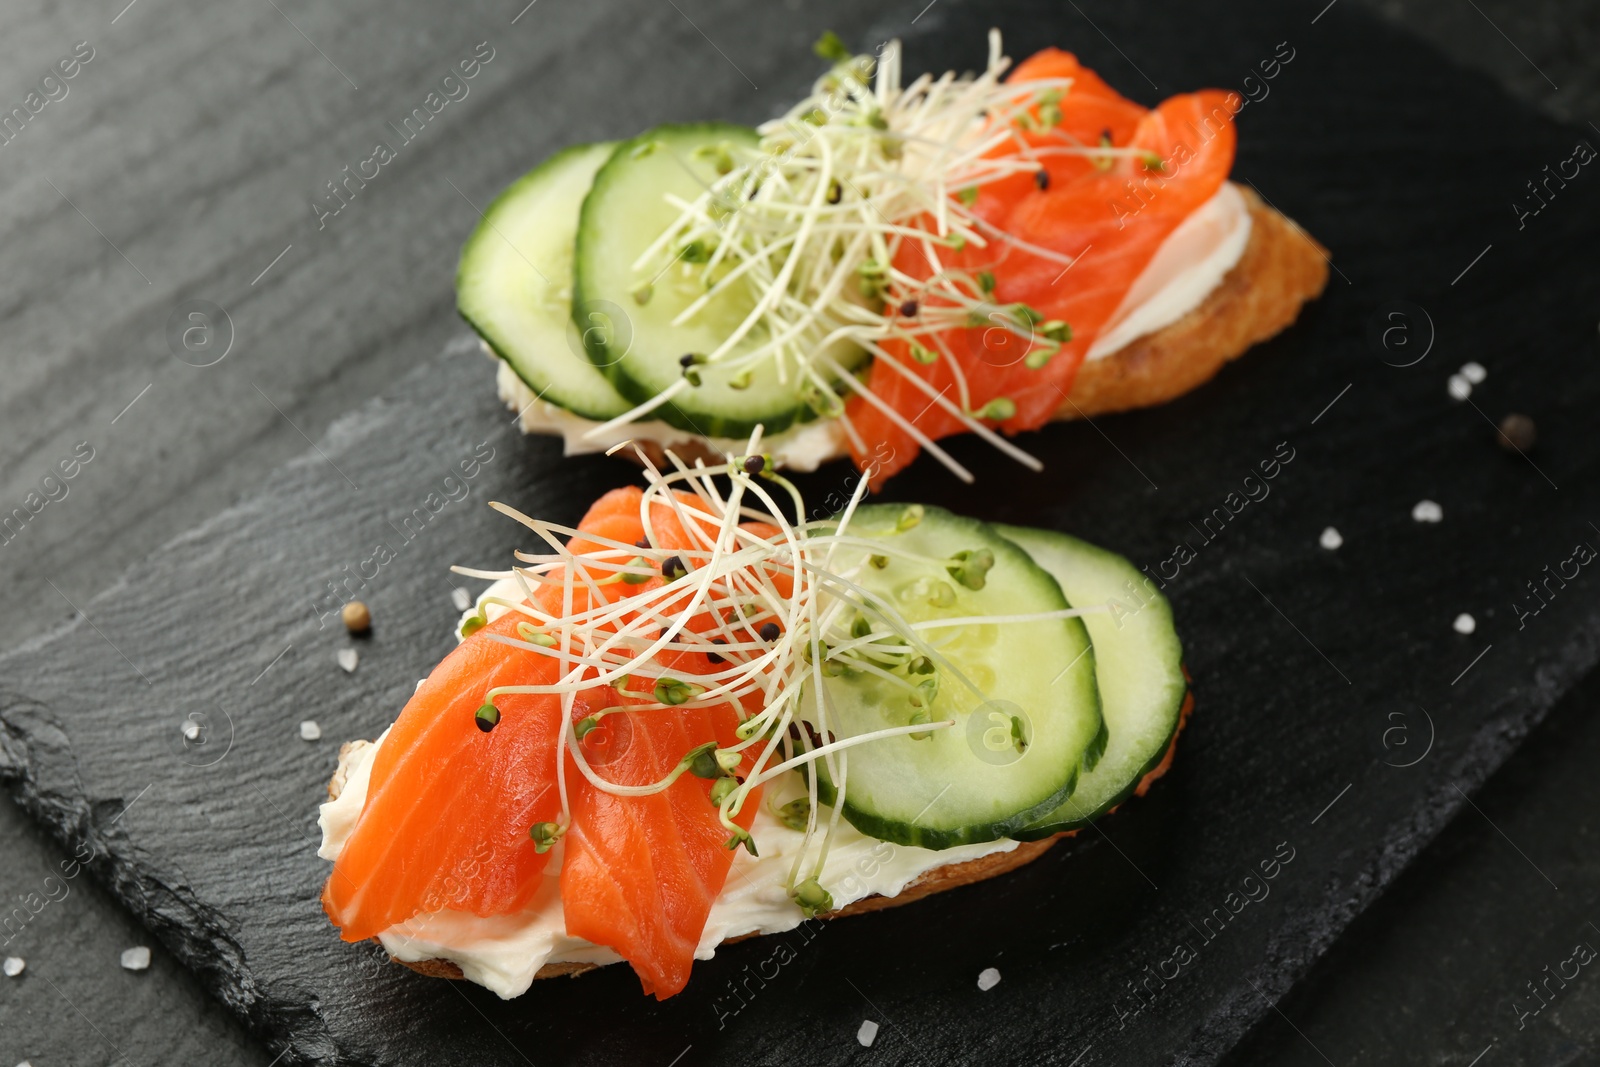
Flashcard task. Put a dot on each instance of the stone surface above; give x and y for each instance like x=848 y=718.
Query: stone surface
x=1433 y=968
x=444 y=233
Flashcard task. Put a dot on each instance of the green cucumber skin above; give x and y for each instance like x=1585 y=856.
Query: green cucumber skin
x=907 y=832
x=683 y=416
x=1053 y=546
x=599 y=402
x=900 y=833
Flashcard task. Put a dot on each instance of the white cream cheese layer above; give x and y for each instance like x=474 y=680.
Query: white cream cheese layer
x=504 y=952
x=800 y=448
x=1190 y=263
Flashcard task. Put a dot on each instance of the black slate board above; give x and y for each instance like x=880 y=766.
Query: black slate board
x=1317 y=673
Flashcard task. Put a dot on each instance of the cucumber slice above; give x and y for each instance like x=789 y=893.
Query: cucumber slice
x=1139 y=662
x=971 y=782
x=514 y=283
x=626 y=212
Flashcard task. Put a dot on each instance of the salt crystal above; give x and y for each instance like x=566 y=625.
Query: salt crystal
x=1465 y=623
x=1427 y=511
x=1474 y=372
x=867 y=1034
x=348 y=658
x=462 y=598
x=988 y=978
x=310 y=731
x=136 y=959
x=191 y=730
x=1459 y=387
x=1331 y=539
x=14 y=966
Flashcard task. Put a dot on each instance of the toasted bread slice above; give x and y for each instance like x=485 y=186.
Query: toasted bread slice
x=926 y=884
x=1282 y=268
x=936 y=880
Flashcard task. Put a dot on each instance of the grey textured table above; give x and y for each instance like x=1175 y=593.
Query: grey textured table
x=196 y=134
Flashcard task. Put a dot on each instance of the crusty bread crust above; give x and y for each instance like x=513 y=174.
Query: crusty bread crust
x=1282 y=268
x=937 y=880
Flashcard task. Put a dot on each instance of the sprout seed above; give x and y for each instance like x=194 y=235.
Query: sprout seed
x=487 y=717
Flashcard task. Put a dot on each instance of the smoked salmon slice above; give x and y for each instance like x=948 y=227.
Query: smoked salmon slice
x=1108 y=214
x=640 y=873
x=449 y=806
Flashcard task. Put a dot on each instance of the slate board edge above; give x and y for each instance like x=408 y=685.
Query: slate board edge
x=188 y=928
x=76 y=820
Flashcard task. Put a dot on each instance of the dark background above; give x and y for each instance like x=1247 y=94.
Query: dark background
x=125 y=147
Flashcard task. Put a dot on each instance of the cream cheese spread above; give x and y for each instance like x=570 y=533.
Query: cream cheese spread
x=1190 y=263
x=504 y=952
x=801 y=448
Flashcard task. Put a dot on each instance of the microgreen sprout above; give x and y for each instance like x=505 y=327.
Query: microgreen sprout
x=741 y=836
x=722 y=789
x=833 y=233
x=999 y=409
x=812 y=898
x=673 y=691
x=971 y=567
x=831 y=48
x=796 y=814
x=702 y=761
x=535 y=637
x=544 y=834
